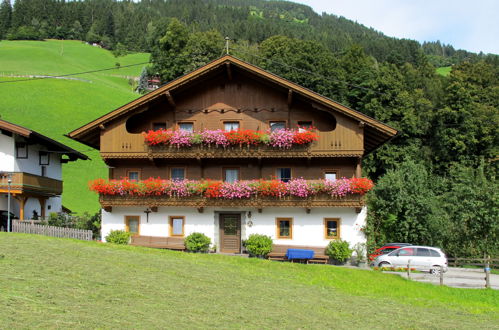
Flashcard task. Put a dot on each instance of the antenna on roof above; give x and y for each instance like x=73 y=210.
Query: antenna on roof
x=227 y=45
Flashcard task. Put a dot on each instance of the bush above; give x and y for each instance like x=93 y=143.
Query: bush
x=118 y=237
x=339 y=250
x=258 y=245
x=197 y=242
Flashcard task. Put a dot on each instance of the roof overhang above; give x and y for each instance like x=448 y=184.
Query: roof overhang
x=36 y=137
x=376 y=133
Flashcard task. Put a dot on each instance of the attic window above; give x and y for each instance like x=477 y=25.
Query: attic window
x=21 y=150
x=277 y=125
x=158 y=126
x=44 y=158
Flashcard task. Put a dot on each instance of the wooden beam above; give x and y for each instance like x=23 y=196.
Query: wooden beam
x=358 y=168
x=102 y=127
x=108 y=209
x=170 y=99
x=154 y=209
x=260 y=210
x=308 y=209
x=200 y=209
x=362 y=124
x=290 y=97
x=229 y=71
x=22 y=202
x=358 y=209
x=42 y=201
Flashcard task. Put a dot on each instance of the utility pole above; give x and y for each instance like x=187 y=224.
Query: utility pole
x=227 y=45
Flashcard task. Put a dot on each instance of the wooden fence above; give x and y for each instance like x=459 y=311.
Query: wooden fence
x=31 y=228
x=477 y=262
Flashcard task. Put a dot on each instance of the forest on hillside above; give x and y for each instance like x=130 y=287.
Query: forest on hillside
x=436 y=181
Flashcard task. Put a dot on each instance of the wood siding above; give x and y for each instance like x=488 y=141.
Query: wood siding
x=252 y=103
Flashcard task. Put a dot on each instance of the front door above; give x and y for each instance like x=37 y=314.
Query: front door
x=230 y=233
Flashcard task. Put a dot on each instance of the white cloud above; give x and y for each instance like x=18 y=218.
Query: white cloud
x=470 y=25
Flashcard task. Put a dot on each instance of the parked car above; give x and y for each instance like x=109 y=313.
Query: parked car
x=419 y=257
x=385 y=249
x=4 y=219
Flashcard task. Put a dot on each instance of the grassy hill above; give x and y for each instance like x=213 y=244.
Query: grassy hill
x=56 y=106
x=60 y=283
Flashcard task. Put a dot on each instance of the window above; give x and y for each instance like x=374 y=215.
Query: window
x=304 y=125
x=332 y=228
x=133 y=175
x=283 y=174
x=132 y=224
x=186 y=127
x=158 y=126
x=405 y=252
x=231 y=125
x=44 y=158
x=422 y=252
x=434 y=253
x=277 y=125
x=177 y=225
x=284 y=228
x=231 y=175
x=330 y=175
x=21 y=150
x=43 y=171
x=177 y=173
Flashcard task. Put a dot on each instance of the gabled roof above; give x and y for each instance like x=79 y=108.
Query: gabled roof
x=41 y=139
x=376 y=133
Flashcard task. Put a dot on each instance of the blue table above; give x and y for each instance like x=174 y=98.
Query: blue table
x=299 y=254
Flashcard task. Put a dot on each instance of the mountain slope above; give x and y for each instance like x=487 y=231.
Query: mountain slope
x=56 y=106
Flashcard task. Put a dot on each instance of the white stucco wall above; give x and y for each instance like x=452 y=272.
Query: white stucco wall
x=7 y=151
x=32 y=163
x=308 y=229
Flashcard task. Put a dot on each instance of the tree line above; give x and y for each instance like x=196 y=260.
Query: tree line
x=130 y=25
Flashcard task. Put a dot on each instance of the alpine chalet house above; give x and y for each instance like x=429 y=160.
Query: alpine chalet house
x=33 y=163
x=229 y=150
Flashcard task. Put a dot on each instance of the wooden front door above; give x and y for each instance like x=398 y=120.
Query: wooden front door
x=230 y=233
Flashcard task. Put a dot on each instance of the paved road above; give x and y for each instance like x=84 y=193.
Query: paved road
x=457 y=277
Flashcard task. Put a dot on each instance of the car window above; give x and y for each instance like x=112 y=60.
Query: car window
x=387 y=250
x=434 y=253
x=406 y=252
x=422 y=252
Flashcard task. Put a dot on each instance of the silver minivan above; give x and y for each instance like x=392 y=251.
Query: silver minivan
x=419 y=257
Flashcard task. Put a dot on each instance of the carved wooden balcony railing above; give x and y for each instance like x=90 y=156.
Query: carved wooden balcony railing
x=203 y=151
x=321 y=200
x=29 y=184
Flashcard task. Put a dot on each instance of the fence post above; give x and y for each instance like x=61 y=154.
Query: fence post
x=409 y=269
x=441 y=275
x=487 y=273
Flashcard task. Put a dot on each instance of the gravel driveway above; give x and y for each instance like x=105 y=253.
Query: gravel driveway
x=456 y=277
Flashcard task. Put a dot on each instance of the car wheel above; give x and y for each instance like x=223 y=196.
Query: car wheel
x=435 y=270
x=384 y=264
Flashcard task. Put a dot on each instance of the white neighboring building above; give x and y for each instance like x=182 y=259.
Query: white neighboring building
x=33 y=163
x=229 y=94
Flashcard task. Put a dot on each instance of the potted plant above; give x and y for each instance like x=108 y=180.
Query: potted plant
x=360 y=255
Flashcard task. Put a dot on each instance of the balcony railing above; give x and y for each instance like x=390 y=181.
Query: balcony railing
x=22 y=182
x=259 y=202
x=254 y=193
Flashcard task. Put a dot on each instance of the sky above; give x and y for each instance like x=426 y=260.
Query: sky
x=465 y=24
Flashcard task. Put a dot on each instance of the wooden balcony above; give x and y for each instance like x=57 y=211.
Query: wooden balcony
x=203 y=151
x=26 y=183
x=323 y=200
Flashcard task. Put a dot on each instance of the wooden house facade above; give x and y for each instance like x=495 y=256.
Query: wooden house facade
x=231 y=95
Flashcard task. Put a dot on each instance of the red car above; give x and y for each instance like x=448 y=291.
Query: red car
x=387 y=248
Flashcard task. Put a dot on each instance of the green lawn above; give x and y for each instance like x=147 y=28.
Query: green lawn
x=59 y=283
x=444 y=71
x=56 y=106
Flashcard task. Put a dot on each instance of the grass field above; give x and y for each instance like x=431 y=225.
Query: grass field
x=56 y=106
x=444 y=71
x=58 y=283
